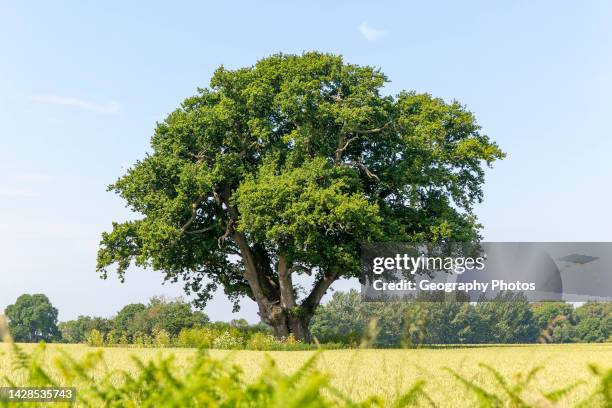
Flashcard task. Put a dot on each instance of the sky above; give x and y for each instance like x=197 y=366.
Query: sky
x=83 y=84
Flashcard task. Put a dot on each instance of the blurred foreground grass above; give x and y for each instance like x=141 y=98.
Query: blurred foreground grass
x=359 y=374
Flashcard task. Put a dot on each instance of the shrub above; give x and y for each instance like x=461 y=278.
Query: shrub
x=228 y=341
x=123 y=340
x=261 y=341
x=198 y=338
x=161 y=338
x=138 y=340
x=95 y=338
x=111 y=338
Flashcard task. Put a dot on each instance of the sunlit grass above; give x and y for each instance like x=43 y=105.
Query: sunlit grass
x=388 y=373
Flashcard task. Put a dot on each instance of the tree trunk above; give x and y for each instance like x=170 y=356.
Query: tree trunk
x=276 y=301
x=286 y=323
x=287 y=317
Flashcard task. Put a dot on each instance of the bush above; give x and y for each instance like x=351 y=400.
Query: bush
x=233 y=339
x=261 y=341
x=197 y=338
x=95 y=338
x=111 y=338
x=228 y=341
x=161 y=338
x=123 y=340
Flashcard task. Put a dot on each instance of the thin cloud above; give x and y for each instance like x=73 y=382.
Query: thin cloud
x=16 y=193
x=35 y=177
x=371 y=34
x=106 y=108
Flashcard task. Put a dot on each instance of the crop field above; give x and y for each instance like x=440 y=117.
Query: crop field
x=386 y=373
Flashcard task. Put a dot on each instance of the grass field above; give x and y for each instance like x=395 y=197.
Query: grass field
x=360 y=373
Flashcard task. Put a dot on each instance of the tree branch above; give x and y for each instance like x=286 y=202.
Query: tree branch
x=201 y=230
x=341 y=150
x=229 y=229
x=318 y=291
x=194 y=212
x=370 y=131
x=343 y=145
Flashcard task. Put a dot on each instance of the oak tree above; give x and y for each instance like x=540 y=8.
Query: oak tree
x=285 y=168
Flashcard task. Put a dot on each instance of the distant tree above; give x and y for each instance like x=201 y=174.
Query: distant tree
x=508 y=319
x=171 y=316
x=32 y=318
x=470 y=327
x=76 y=331
x=131 y=320
x=284 y=168
x=427 y=319
x=554 y=319
x=594 y=322
x=341 y=320
x=431 y=319
x=544 y=312
x=240 y=324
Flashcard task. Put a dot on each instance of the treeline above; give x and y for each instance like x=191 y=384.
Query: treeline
x=161 y=322
x=345 y=321
x=508 y=318
x=168 y=323
x=135 y=322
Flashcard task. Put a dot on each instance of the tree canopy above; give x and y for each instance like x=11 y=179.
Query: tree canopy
x=285 y=168
x=32 y=318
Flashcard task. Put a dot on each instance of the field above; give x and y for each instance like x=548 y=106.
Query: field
x=361 y=373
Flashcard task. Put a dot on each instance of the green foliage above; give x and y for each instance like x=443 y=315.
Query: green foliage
x=197 y=338
x=76 y=331
x=95 y=338
x=342 y=319
x=508 y=318
x=301 y=210
x=172 y=316
x=161 y=338
x=594 y=322
x=131 y=319
x=227 y=341
x=261 y=341
x=136 y=320
x=232 y=338
x=602 y=396
x=32 y=318
x=298 y=158
x=545 y=312
x=590 y=322
x=555 y=320
x=426 y=320
x=212 y=337
x=111 y=338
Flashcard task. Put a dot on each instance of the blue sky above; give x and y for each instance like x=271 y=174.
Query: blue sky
x=82 y=85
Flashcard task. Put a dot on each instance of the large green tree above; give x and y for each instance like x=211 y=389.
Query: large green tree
x=284 y=168
x=32 y=318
